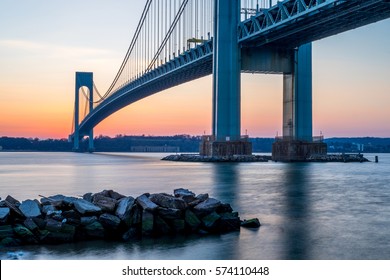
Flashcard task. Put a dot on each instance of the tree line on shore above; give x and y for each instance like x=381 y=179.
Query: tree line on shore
x=180 y=143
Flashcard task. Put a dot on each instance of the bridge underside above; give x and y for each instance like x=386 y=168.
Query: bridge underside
x=275 y=40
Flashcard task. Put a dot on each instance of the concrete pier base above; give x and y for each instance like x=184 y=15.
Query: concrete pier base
x=211 y=148
x=295 y=150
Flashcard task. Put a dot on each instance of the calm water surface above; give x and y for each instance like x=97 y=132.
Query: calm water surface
x=307 y=210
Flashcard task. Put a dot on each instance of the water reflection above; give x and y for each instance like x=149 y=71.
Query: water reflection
x=297 y=209
x=226 y=181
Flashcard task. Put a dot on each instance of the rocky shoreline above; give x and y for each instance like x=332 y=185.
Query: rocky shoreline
x=234 y=158
x=113 y=216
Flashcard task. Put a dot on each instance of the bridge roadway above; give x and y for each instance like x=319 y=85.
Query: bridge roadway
x=285 y=26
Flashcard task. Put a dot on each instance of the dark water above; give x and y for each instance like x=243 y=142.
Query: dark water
x=307 y=210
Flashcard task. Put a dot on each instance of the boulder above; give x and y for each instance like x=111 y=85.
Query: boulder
x=178 y=225
x=115 y=195
x=88 y=220
x=13 y=207
x=109 y=221
x=48 y=209
x=55 y=200
x=6 y=231
x=4 y=214
x=131 y=234
x=88 y=197
x=107 y=204
x=72 y=217
x=169 y=214
x=147 y=223
x=25 y=234
x=192 y=220
x=145 y=203
x=86 y=208
x=10 y=242
x=53 y=225
x=224 y=208
x=161 y=227
x=69 y=200
x=229 y=222
x=185 y=194
x=30 y=208
x=95 y=230
x=210 y=221
x=12 y=200
x=31 y=225
x=123 y=210
x=206 y=207
x=251 y=223
x=168 y=201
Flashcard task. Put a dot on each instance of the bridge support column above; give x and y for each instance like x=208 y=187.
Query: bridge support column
x=83 y=79
x=226 y=139
x=297 y=143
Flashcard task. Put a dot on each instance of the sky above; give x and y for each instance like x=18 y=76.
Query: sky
x=44 y=42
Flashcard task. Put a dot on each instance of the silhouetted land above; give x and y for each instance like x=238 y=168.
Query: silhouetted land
x=180 y=143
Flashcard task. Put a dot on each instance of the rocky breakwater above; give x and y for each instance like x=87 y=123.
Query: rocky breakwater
x=110 y=215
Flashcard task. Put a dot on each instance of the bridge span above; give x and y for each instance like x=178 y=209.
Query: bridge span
x=177 y=41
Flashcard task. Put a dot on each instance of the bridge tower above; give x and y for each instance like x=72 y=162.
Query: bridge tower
x=226 y=139
x=83 y=79
x=297 y=142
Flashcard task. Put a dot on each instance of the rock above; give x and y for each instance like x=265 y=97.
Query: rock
x=48 y=209
x=10 y=242
x=224 y=208
x=168 y=201
x=178 y=225
x=64 y=235
x=4 y=214
x=53 y=225
x=183 y=192
x=25 y=234
x=192 y=220
x=86 y=208
x=69 y=200
x=31 y=225
x=41 y=223
x=147 y=223
x=88 y=197
x=107 y=204
x=146 y=204
x=123 y=210
x=251 y=223
x=198 y=199
x=95 y=230
x=115 y=195
x=13 y=207
x=131 y=234
x=211 y=221
x=206 y=207
x=229 y=222
x=169 y=214
x=6 y=231
x=12 y=200
x=55 y=200
x=136 y=217
x=109 y=221
x=72 y=217
x=30 y=208
x=161 y=227
x=88 y=220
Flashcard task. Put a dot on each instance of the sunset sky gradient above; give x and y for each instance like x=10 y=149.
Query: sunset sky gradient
x=43 y=43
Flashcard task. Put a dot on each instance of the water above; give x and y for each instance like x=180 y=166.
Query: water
x=307 y=210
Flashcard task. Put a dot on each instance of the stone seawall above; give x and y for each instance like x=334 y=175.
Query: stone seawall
x=110 y=215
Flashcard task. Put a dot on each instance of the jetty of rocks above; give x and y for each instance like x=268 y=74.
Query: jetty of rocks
x=110 y=215
x=199 y=158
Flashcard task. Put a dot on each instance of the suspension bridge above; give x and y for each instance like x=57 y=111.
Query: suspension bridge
x=177 y=41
